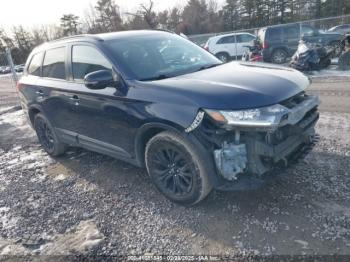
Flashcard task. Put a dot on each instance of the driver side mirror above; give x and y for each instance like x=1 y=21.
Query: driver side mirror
x=99 y=80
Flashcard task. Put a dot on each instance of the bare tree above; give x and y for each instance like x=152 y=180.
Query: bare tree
x=145 y=13
x=108 y=18
x=69 y=24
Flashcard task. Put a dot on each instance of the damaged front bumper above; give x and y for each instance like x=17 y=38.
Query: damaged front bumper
x=253 y=151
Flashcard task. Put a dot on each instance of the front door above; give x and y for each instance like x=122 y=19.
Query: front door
x=103 y=122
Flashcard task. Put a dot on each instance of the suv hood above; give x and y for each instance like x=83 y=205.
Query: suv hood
x=232 y=86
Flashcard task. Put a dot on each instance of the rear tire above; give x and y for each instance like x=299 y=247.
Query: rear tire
x=178 y=168
x=279 y=56
x=47 y=136
x=224 y=57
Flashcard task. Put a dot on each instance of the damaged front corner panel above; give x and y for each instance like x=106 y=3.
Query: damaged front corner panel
x=196 y=122
x=231 y=160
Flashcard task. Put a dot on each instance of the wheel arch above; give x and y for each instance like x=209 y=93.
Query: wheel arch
x=145 y=133
x=282 y=48
x=33 y=111
x=223 y=52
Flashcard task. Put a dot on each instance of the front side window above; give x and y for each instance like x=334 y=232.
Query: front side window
x=54 y=63
x=245 y=38
x=35 y=64
x=307 y=30
x=159 y=56
x=291 y=32
x=227 y=40
x=86 y=59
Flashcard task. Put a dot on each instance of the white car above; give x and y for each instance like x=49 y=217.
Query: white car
x=229 y=46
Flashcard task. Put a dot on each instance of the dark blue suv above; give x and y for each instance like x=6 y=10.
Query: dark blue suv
x=155 y=99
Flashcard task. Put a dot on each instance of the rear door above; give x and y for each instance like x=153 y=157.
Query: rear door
x=244 y=40
x=54 y=94
x=291 y=37
x=227 y=44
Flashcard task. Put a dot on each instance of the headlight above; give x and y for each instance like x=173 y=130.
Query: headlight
x=270 y=116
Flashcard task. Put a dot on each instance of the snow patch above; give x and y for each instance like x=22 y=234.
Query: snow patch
x=7 y=221
x=84 y=237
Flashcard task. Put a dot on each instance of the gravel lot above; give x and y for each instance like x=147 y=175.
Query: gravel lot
x=88 y=203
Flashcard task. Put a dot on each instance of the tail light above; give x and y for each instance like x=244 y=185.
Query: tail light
x=265 y=45
x=19 y=86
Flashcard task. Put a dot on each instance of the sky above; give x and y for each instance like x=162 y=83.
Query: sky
x=32 y=13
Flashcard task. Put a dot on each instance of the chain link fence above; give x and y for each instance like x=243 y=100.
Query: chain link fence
x=8 y=80
x=305 y=27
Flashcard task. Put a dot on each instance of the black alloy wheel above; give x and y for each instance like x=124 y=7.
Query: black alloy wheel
x=47 y=137
x=173 y=171
x=178 y=167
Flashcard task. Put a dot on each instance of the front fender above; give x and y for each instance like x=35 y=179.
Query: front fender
x=147 y=131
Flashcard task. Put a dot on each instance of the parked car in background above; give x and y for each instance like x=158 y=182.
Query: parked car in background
x=342 y=29
x=228 y=46
x=281 y=42
x=157 y=100
x=5 y=70
x=19 y=68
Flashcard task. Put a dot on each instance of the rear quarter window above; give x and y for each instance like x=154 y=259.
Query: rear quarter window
x=54 y=63
x=34 y=67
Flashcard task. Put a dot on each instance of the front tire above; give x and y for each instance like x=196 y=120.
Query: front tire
x=338 y=49
x=344 y=61
x=47 y=136
x=178 y=168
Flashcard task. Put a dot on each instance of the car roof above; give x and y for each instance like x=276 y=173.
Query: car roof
x=93 y=38
x=230 y=34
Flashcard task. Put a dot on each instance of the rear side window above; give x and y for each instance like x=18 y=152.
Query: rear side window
x=35 y=64
x=87 y=59
x=54 y=63
x=274 y=34
x=227 y=40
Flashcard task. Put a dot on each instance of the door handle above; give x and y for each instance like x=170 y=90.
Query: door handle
x=74 y=98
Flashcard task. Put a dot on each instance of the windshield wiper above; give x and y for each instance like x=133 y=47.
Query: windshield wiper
x=158 y=77
x=207 y=67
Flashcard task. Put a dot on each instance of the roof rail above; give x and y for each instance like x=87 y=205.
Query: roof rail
x=95 y=37
x=164 y=30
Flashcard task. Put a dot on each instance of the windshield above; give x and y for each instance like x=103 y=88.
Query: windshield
x=159 y=56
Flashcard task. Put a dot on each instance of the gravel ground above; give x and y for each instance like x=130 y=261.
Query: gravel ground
x=87 y=203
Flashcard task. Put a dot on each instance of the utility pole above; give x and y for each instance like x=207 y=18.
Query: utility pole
x=12 y=66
